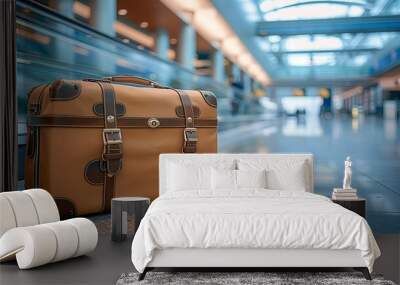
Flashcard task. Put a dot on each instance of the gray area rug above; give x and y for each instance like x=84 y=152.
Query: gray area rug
x=103 y=224
x=273 y=278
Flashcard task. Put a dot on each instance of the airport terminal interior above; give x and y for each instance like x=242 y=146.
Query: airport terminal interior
x=290 y=76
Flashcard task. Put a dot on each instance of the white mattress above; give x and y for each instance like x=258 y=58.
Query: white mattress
x=253 y=219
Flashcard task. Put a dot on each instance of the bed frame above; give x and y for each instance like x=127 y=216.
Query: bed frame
x=260 y=259
x=246 y=259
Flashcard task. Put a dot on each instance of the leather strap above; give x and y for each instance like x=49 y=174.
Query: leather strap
x=36 y=157
x=36 y=142
x=125 y=122
x=109 y=189
x=133 y=79
x=190 y=132
x=112 y=139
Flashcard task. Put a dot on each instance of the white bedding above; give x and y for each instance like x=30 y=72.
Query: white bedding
x=250 y=219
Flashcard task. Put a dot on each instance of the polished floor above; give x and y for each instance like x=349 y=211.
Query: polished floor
x=111 y=259
x=372 y=143
x=102 y=266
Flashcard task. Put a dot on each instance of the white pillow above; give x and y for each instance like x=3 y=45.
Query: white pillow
x=292 y=180
x=183 y=177
x=223 y=179
x=251 y=178
x=282 y=174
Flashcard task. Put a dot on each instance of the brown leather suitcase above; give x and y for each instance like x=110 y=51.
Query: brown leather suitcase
x=91 y=140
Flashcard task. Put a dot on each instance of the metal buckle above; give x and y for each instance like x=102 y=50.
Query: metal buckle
x=112 y=136
x=190 y=134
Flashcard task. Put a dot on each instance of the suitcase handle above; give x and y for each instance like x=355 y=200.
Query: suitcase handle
x=132 y=79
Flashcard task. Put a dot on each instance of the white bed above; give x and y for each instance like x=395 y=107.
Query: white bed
x=248 y=227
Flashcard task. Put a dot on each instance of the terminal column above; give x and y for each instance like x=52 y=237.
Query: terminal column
x=103 y=15
x=235 y=71
x=218 y=68
x=187 y=46
x=64 y=7
x=246 y=84
x=162 y=43
x=60 y=49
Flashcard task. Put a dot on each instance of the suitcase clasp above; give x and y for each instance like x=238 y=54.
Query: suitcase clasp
x=112 y=136
x=153 y=122
x=190 y=135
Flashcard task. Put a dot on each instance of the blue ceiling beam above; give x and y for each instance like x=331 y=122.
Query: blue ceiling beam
x=312 y=82
x=346 y=50
x=369 y=24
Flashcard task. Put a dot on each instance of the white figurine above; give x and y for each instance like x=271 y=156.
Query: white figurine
x=347 y=174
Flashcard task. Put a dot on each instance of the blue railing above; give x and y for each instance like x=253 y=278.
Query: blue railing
x=51 y=46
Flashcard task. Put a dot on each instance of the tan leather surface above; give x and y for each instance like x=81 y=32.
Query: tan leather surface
x=162 y=103
x=63 y=158
x=65 y=151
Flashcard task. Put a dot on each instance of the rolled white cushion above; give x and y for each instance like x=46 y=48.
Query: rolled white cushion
x=46 y=208
x=41 y=244
x=87 y=235
x=23 y=208
x=7 y=219
x=26 y=208
x=67 y=240
x=33 y=246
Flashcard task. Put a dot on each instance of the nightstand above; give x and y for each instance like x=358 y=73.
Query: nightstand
x=357 y=206
x=120 y=209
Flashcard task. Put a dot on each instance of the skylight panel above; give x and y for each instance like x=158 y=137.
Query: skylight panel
x=395 y=8
x=360 y=60
x=374 y=40
x=323 y=59
x=263 y=44
x=311 y=59
x=250 y=10
x=355 y=11
x=268 y=5
x=313 y=43
x=274 y=39
x=299 y=60
x=286 y=10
